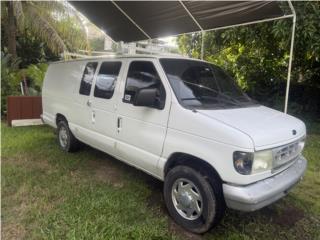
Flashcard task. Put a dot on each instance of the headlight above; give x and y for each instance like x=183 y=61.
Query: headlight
x=262 y=161
x=249 y=163
x=242 y=162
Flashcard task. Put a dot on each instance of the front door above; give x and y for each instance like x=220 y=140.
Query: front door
x=142 y=130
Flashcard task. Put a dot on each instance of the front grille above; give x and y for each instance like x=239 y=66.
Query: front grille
x=286 y=154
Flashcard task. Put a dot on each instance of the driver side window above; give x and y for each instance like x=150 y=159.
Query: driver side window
x=142 y=75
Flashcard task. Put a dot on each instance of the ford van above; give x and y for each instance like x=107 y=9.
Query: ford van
x=183 y=121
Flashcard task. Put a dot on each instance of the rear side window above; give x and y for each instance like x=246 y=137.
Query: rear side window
x=87 y=78
x=142 y=74
x=106 y=79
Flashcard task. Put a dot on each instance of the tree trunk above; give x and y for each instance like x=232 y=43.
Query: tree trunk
x=12 y=42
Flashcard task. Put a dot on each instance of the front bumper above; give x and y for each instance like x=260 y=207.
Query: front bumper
x=262 y=193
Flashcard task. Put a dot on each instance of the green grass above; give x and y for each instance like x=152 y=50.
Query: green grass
x=49 y=194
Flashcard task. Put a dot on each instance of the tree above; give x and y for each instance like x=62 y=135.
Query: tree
x=307 y=41
x=12 y=46
x=52 y=21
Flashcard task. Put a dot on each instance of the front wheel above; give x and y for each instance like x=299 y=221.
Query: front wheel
x=192 y=201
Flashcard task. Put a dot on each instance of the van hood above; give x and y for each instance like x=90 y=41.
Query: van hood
x=265 y=126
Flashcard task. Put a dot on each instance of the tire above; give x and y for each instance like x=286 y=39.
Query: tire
x=210 y=203
x=66 y=139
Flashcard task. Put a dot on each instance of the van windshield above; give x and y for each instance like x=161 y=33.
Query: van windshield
x=201 y=85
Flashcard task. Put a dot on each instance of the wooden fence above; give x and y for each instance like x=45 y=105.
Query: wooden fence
x=23 y=107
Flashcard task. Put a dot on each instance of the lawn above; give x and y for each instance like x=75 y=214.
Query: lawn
x=49 y=194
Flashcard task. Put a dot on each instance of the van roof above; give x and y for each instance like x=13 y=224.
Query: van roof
x=157 y=56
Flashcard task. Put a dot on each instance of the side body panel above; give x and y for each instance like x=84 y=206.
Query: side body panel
x=139 y=141
x=58 y=91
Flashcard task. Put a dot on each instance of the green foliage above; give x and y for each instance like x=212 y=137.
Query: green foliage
x=37 y=73
x=190 y=44
x=257 y=56
x=32 y=50
x=306 y=63
x=10 y=82
x=11 y=76
x=97 y=44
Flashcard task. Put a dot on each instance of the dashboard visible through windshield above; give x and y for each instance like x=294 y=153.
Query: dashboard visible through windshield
x=201 y=85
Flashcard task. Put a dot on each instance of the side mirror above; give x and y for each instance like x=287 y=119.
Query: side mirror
x=147 y=97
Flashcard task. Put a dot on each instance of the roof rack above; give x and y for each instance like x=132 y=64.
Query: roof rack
x=68 y=55
x=125 y=49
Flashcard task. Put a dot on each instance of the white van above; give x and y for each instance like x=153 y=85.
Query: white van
x=184 y=121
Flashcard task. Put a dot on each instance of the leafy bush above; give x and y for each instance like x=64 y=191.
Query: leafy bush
x=10 y=81
x=11 y=78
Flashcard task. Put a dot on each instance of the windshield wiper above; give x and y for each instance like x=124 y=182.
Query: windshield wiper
x=220 y=94
x=219 y=101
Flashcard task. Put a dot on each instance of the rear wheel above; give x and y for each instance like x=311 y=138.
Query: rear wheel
x=192 y=201
x=66 y=139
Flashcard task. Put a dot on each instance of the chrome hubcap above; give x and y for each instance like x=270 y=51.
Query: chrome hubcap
x=63 y=137
x=187 y=199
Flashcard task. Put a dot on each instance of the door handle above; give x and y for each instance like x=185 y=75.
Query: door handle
x=93 y=117
x=89 y=103
x=119 y=124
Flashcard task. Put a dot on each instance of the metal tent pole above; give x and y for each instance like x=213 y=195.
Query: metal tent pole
x=290 y=58
x=199 y=26
x=202 y=44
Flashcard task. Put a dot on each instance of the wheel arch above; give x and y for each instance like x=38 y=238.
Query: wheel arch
x=60 y=117
x=180 y=158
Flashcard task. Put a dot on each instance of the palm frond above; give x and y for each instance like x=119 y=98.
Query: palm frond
x=65 y=21
x=50 y=6
x=84 y=29
x=54 y=22
x=44 y=29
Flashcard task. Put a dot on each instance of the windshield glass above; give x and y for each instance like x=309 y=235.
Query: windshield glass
x=200 y=85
